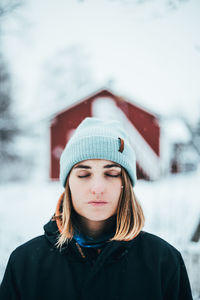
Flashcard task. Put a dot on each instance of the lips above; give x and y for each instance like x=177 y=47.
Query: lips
x=97 y=203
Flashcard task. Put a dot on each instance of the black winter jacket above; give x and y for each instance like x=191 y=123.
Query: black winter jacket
x=146 y=268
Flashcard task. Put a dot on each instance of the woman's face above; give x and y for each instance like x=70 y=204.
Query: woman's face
x=95 y=186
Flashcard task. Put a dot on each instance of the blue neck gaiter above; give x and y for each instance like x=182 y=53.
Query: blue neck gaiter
x=88 y=242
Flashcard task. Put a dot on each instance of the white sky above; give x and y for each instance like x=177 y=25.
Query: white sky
x=152 y=60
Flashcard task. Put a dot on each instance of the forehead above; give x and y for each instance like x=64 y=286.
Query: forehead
x=97 y=163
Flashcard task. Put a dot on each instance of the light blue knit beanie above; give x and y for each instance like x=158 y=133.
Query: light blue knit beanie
x=98 y=139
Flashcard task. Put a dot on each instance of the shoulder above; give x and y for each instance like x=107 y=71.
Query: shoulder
x=156 y=254
x=157 y=248
x=32 y=248
x=153 y=240
x=164 y=261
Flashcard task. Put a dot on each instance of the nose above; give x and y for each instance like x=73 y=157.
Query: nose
x=97 y=193
x=97 y=188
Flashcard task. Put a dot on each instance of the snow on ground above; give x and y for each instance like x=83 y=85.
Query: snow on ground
x=171 y=207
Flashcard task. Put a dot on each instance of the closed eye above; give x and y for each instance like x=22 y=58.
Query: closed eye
x=111 y=175
x=83 y=176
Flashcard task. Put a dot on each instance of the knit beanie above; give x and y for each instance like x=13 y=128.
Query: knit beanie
x=98 y=139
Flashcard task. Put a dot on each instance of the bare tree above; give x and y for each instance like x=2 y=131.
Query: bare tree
x=8 y=6
x=9 y=128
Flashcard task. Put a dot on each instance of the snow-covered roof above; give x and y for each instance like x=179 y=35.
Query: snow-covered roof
x=176 y=130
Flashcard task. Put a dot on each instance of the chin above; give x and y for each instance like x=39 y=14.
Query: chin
x=98 y=218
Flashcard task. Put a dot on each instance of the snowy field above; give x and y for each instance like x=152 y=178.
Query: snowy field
x=171 y=207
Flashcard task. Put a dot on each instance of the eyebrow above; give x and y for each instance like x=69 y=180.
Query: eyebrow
x=82 y=167
x=112 y=166
x=105 y=167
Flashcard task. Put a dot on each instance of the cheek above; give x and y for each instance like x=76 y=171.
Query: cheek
x=77 y=191
x=116 y=190
x=73 y=190
x=76 y=198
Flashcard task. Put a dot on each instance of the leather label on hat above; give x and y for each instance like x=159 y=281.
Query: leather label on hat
x=121 y=147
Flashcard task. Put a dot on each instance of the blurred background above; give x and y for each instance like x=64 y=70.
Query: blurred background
x=137 y=61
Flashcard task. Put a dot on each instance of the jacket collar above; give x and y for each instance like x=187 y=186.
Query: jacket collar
x=114 y=249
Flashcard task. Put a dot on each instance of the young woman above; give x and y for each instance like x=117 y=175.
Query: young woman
x=94 y=246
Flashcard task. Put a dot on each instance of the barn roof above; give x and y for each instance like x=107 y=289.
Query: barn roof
x=112 y=94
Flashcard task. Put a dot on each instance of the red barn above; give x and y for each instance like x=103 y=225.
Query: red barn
x=141 y=125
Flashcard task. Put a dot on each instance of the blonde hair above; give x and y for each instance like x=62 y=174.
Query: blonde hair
x=129 y=222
